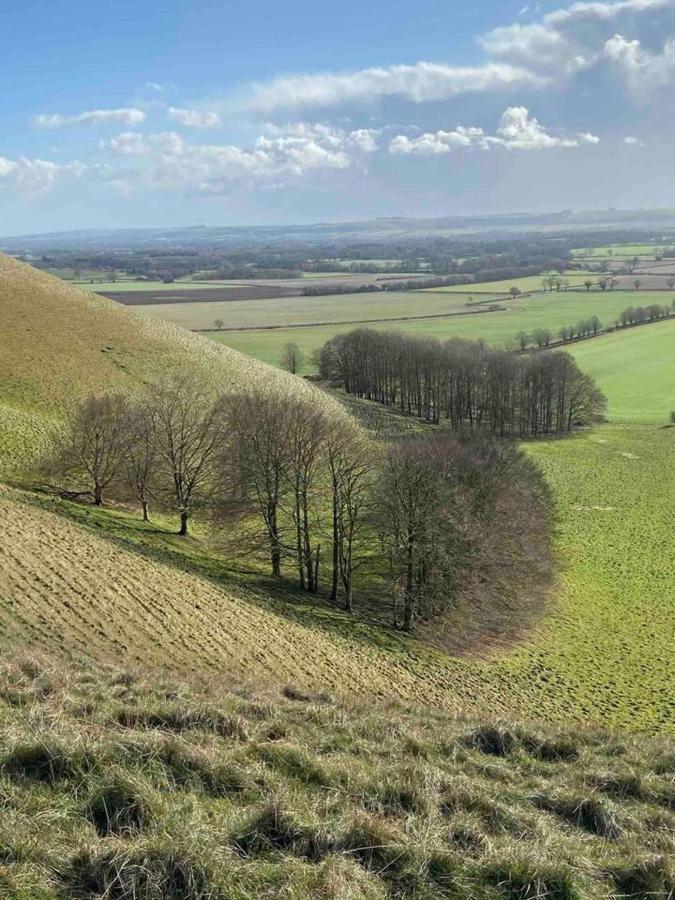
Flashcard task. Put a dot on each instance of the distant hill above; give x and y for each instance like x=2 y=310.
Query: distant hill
x=392 y=228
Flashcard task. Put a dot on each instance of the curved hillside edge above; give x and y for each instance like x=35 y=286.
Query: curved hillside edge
x=67 y=591
x=60 y=343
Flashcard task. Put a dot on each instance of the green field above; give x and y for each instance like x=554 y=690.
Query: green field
x=610 y=250
x=542 y=310
x=635 y=369
x=308 y=310
x=528 y=283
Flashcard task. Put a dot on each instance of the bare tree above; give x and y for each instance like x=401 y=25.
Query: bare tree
x=307 y=434
x=96 y=443
x=588 y=283
x=523 y=339
x=637 y=283
x=260 y=425
x=292 y=358
x=219 y=324
x=187 y=431
x=141 y=457
x=350 y=464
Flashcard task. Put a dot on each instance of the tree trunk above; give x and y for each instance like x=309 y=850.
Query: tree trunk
x=183 y=530
x=317 y=560
x=98 y=495
x=409 y=598
x=336 y=550
x=275 y=549
x=144 y=506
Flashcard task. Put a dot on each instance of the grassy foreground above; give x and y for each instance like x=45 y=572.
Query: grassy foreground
x=128 y=786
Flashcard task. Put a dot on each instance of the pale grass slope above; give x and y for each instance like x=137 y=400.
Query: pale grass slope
x=66 y=590
x=58 y=343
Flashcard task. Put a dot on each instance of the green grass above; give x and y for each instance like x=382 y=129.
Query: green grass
x=636 y=370
x=541 y=310
x=124 y=784
x=528 y=283
x=307 y=310
x=619 y=250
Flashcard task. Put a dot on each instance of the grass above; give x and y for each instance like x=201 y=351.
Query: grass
x=635 y=370
x=601 y=654
x=307 y=310
x=629 y=250
x=320 y=799
x=542 y=310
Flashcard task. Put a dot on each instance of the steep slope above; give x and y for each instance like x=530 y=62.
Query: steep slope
x=58 y=343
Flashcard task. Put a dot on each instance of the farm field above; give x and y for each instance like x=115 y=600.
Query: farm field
x=308 y=310
x=542 y=310
x=635 y=369
x=627 y=250
x=528 y=283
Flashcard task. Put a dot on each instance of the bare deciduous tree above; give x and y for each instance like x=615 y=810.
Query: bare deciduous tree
x=351 y=465
x=187 y=431
x=292 y=358
x=96 y=443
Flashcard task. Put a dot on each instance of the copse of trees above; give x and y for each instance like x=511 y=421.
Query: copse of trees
x=637 y=315
x=468 y=383
x=315 y=486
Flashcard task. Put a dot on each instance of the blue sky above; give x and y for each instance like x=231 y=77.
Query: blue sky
x=175 y=113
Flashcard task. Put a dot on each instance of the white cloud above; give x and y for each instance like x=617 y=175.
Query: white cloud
x=517 y=131
x=574 y=38
x=632 y=141
x=421 y=82
x=642 y=71
x=194 y=118
x=585 y=137
x=167 y=160
x=35 y=175
x=129 y=116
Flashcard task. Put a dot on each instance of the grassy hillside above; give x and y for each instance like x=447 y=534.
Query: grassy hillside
x=59 y=342
x=636 y=371
x=108 y=584
x=118 y=784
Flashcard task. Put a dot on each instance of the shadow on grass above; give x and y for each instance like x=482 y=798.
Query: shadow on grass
x=197 y=556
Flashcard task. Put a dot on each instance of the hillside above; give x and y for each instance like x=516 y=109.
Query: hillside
x=59 y=343
x=118 y=783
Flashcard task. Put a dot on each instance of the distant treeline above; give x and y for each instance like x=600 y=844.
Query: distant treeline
x=417 y=284
x=466 y=382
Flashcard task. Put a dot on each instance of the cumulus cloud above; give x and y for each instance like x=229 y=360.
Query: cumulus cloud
x=129 y=116
x=35 y=175
x=577 y=37
x=168 y=160
x=643 y=71
x=517 y=130
x=421 y=82
x=194 y=118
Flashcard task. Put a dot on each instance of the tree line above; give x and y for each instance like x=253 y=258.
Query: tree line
x=311 y=488
x=466 y=382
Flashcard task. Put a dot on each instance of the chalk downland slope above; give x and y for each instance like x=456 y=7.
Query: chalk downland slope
x=58 y=343
x=123 y=784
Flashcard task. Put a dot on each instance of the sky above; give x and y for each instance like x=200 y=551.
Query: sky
x=172 y=113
